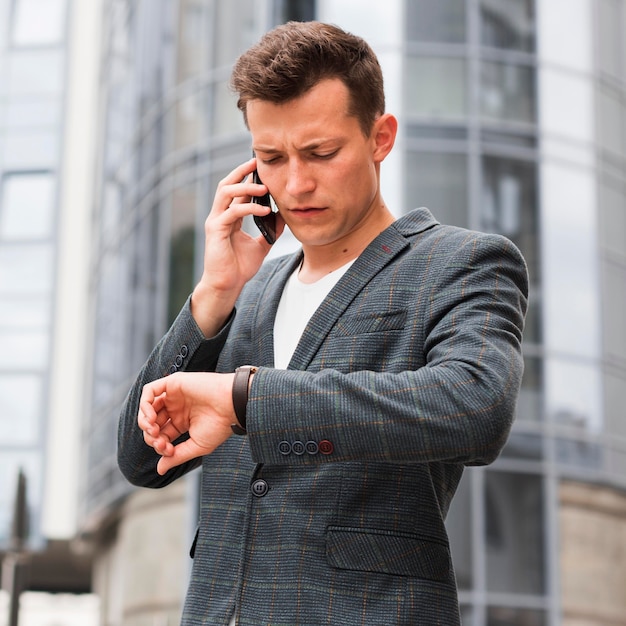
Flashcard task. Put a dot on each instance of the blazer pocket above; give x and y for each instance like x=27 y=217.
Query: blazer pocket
x=374 y=322
x=371 y=550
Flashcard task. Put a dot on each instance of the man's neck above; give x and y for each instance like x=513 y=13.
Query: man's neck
x=319 y=261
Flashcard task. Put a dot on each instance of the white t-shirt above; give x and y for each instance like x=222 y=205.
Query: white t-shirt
x=297 y=304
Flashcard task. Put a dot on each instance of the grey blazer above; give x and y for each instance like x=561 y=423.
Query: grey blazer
x=331 y=510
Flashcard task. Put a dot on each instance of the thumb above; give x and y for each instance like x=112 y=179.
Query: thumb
x=183 y=452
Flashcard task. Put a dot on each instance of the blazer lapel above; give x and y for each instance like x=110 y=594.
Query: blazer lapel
x=376 y=256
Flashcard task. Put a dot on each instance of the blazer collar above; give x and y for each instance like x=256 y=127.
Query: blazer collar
x=380 y=252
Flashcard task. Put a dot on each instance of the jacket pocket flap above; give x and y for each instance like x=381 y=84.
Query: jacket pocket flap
x=372 y=323
x=388 y=553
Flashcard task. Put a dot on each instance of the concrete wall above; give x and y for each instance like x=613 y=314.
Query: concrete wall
x=593 y=555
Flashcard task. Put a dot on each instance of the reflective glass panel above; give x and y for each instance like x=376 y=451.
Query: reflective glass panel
x=609 y=43
x=460 y=532
x=35 y=72
x=579 y=452
x=436 y=20
x=26 y=269
x=509 y=206
x=574 y=393
x=611 y=121
x=507 y=616
x=438 y=180
x=514 y=533
x=31 y=149
x=508 y=24
x=38 y=22
x=26 y=312
x=27 y=113
x=20 y=408
x=523 y=446
x=227 y=118
x=530 y=400
x=237 y=27
x=297 y=10
x=428 y=94
x=24 y=350
x=26 y=206
x=507 y=92
x=182 y=248
x=614 y=314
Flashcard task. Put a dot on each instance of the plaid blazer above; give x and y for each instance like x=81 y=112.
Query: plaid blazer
x=331 y=510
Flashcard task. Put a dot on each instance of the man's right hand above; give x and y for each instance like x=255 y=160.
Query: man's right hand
x=231 y=256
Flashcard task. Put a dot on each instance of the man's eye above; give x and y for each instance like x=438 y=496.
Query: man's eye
x=325 y=155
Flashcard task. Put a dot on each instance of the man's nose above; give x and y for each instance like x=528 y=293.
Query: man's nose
x=299 y=179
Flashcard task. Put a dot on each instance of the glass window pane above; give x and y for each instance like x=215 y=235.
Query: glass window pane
x=509 y=206
x=507 y=92
x=436 y=20
x=579 y=453
x=523 y=446
x=574 y=393
x=438 y=180
x=28 y=113
x=182 y=248
x=426 y=94
x=460 y=532
x=24 y=350
x=35 y=72
x=20 y=408
x=530 y=401
x=26 y=206
x=227 y=118
x=609 y=40
x=26 y=269
x=508 y=24
x=514 y=533
x=505 y=616
x=38 y=22
x=26 y=312
x=611 y=121
x=31 y=149
x=297 y=10
x=236 y=29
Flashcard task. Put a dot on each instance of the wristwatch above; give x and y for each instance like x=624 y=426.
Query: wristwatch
x=240 y=396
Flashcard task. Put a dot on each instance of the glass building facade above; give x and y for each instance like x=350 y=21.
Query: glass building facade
x=512 y=120
x=32 y=92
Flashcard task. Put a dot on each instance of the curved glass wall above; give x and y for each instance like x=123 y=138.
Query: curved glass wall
x=493 y=139
x=32 y=85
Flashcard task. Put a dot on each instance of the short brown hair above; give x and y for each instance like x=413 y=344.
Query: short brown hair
x=294 y=57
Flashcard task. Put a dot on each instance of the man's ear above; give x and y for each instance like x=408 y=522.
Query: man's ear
x=384 y=134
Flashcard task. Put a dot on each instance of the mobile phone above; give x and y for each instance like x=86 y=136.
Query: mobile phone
x=265 y=223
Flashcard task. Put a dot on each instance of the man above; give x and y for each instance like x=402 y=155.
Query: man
x=386 y=356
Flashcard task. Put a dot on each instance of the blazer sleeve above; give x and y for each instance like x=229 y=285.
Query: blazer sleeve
x=458 y=406
x=184 y=347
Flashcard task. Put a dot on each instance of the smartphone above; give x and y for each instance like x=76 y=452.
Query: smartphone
x=265 y=223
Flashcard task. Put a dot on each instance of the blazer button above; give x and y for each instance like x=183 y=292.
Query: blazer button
x=312 y=447
x=259 y=488
x=297 y=447
x=179 y=360
x=284 y=447
x=184 y=351
x=326 y=447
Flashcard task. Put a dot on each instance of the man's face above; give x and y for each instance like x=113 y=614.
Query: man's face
x=318 y=165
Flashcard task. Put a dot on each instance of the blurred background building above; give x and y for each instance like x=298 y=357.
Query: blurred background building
x=116 y=123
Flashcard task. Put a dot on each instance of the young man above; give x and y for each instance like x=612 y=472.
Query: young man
x=386 y=356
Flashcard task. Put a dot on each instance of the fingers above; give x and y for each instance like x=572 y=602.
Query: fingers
x=232 y=197
x=181 y=453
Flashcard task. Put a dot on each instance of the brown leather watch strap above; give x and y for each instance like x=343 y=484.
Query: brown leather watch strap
x=240 y=397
